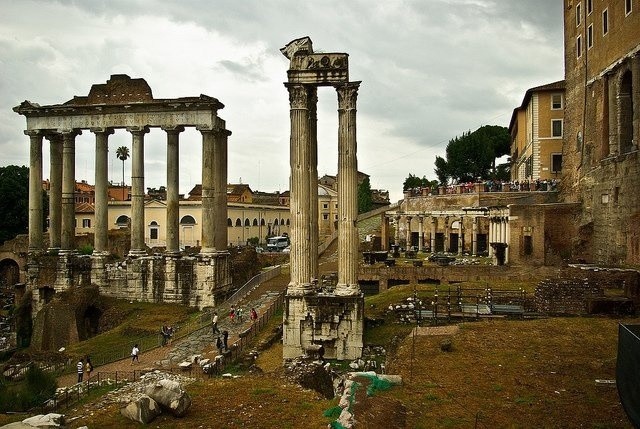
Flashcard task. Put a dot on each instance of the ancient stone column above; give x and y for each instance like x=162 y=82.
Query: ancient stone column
x=474 y=237
x=100 y=244
x=420 y=233
x=137 y=191
x=313 y=182
x=214 y=192
x=35 y=191
x=447 y=247
x=460 y=237
x=300 y=159
x=408 y=232
x=384 y=233
x=434 y=224
x=396 y=235
x=55 y=191
x=491 y=235
x=507 y=237
x=173 y=207
x=68 y=227
x=220 y=190
x=347 y=191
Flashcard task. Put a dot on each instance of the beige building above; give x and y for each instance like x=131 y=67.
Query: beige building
x=536 y=130
x=244 y=220
x=602 y=127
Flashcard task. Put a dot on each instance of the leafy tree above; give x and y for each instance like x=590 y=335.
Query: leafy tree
x=14 y=206
x=122 y=153
x=472 y=155
x=414 y=182
x=365 y=197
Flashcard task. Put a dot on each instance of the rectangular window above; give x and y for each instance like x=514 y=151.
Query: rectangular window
x=325 y=216
x=556 y=127
x=579 y=46
x=86 y=223
x=153 y=233
x=556 y=101
x=590 y=36
x=578 y=14
x=556 y=162
x=605 y=21
x=325 y=206
x=589 y=7
x=628 y=7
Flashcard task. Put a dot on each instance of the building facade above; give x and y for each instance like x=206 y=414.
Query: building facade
x=601 y=129
x=536 y=130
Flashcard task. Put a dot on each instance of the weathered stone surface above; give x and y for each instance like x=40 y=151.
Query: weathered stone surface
x=51 y=420
x=143 y=410
x=170 y=395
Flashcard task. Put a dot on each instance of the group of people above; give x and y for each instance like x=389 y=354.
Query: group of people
x=84 y=367
x=235 y=316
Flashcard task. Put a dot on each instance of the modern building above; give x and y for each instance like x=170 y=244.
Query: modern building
x=601 y=167
x=536 y=130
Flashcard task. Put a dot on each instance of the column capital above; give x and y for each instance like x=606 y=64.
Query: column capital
x=102 y=130
x=298 y=96
x=34 y=133
x=347 y=95
x=70 y=132
x=138 y=130
x=53 y=137
x=172 y=129
x=216 y=131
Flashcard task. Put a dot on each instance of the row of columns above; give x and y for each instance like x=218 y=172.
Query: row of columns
x=499 y=233
x=62 y=191
x=433 y=230
x=304 y=189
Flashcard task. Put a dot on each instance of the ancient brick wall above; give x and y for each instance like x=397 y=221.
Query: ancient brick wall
x=566 y=296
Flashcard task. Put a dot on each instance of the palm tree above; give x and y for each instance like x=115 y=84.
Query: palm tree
x=123 y=154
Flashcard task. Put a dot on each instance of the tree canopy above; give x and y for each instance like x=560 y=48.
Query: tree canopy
x=472 y=155
x=14 y=194
x=412 y=182
x=365 y=197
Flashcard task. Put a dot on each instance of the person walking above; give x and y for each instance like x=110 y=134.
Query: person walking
x=88 y=367
x=135 y=351
x=253 y=315
x=239 y=314
x=214 y=323
x=164 y=331
x=80 y=367
x=219 y=345
x=232 y=314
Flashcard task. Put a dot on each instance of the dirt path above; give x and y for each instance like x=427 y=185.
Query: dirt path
x=150 y=358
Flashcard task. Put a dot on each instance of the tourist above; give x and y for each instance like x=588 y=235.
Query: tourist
x=170 y=333
x=88 y=367
x=80 y=367
x=232 y=314
x=253 y=315
x=135 y=351
x=219 y=344
x=239 y=314
x=164 y=331
x=225 y=337
x=214 y=323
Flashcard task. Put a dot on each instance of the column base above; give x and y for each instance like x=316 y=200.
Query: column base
x=66 y=252
x=53 y=250
x=173 y=254
x=100 y=253
x=299 y=290
x=347 y=290
x=136 y=253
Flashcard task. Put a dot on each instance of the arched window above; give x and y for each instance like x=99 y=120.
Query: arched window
x=229 y=222
x=255 y=222
x=238 y=222
x=187 y=220
x=122 y=221
x=262 y=222
x=275 y=222
x=247 y=222
x=153 y=230
x=288 y=222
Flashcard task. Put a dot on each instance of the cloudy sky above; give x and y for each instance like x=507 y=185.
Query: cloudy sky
x=430 y=70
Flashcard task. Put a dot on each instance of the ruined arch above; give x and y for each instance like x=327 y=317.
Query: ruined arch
x=9 y=272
